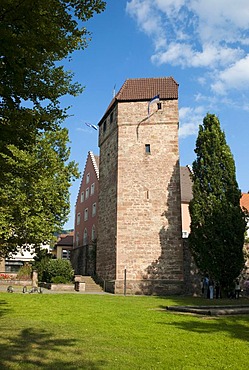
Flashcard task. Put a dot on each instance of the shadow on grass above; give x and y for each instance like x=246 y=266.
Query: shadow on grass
x=4 y=308
x=37 y=349
x=237 y=328
x=200 y=301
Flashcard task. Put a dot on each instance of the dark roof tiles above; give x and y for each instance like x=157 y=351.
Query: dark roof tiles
x=146 y=88
x=65 y=241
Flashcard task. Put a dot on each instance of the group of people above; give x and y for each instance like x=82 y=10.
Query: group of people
x=211 y=289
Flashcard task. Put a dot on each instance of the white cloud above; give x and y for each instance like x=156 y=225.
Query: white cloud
x=209 y=36
x=234 y=77
x=227 y=16
x=183 y=55
x=194 y=33
x=148 y=20
x=190 y=119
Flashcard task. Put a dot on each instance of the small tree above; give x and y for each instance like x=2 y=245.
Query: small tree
x=41 y=259
x=217 y=221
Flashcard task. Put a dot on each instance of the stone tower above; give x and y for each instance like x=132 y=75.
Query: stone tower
x=139 y=248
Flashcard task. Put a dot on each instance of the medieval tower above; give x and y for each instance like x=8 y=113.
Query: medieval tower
x=139 y=247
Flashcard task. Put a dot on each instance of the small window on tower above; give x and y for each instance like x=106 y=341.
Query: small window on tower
x=147 y=148
x=104 y=126
x=159 y=105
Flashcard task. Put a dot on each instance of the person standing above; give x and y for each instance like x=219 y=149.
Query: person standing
x=211 y=289
x=206 y=286
x=237 y=289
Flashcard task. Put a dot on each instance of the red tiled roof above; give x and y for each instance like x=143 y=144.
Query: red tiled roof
x=244 y=201
x=146 y=88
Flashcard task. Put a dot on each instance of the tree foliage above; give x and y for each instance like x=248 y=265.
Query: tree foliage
x=56 y=271
x=34 y=196
x=35 y=37
x=217 y=221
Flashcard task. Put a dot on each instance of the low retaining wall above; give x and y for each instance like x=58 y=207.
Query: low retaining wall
x=58 y=287
x=6 y=282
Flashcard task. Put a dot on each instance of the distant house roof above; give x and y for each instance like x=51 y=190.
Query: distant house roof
x=65 y=240
x=186 y=184
x=244 y=201
x=144 y=89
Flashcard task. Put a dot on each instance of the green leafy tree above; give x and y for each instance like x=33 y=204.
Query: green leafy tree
x=217 y=221
x=34 y=196
x=35 y=38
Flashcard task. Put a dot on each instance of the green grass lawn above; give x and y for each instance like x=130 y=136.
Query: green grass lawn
x=70 y=331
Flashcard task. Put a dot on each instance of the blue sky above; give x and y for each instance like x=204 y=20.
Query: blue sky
x=203 y=44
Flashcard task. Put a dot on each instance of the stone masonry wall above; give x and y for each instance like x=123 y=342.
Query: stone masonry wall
x=149 y=243
x=139 y=200
x=107 y=210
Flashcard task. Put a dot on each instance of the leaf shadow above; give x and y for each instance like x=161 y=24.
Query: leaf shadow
x=4 y=308
x=235 y=327
x=32 y=349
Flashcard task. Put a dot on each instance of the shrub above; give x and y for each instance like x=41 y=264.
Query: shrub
x=58 y=268
x=25 y=272
x=59 y=280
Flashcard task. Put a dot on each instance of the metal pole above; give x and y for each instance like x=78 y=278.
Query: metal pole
x=125 y=281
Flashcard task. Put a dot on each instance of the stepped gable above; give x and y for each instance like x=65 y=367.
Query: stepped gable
x=95 y=162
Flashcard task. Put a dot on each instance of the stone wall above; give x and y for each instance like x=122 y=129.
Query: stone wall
x=139 y=200
x=107 y=211
x=83 y=260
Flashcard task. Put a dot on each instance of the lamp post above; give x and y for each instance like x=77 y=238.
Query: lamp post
x=125 y=281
